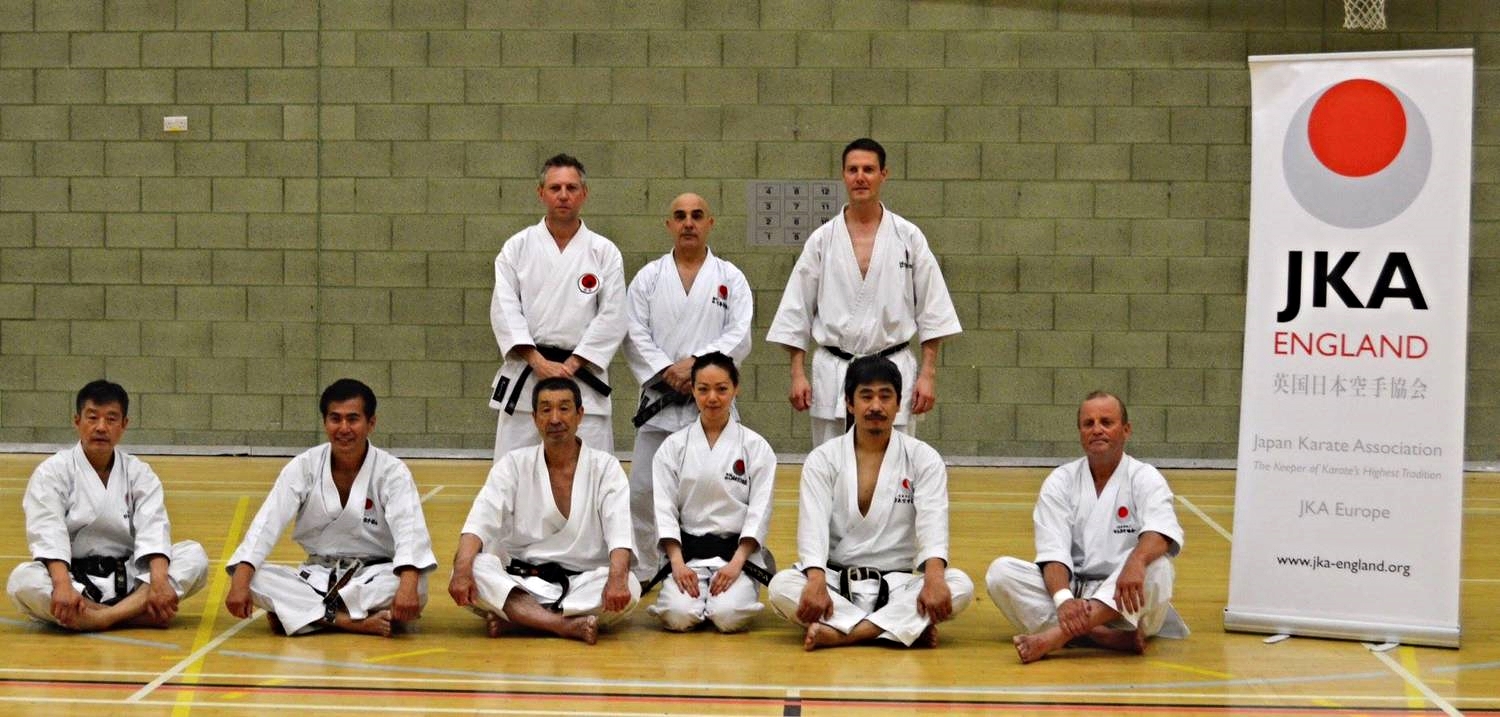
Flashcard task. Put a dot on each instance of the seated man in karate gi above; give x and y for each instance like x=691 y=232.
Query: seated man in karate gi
x=1104 y=528
x=855 y=581
x=98 y=530
x=547 y=545
x=359 y=519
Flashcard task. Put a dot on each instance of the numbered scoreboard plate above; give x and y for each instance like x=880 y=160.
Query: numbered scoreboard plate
x=784 y=213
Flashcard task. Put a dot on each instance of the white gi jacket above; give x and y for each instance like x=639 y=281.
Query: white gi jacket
x=514 y=515
x=723 y=490
x=1093 y=533
x=667 y=324
x=907 y=522
x=383 y=517
x=69 y=512
x=572 y=299
x=902 y=296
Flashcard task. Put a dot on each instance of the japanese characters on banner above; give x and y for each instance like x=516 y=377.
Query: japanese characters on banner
x=1349 y=490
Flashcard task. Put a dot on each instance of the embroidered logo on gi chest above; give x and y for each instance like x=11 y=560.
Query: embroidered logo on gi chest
x=369 y=506
x=1123 y=523
x=736 y=473
x=722 y=300
x=904 y=495
x=369 y=503
x=588 y=283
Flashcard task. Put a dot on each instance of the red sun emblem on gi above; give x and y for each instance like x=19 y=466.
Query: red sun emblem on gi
x=739 y=467
x=1123 y=512
x=588 y=283
x=723 y=292
x=906 y=483
x=369 y=504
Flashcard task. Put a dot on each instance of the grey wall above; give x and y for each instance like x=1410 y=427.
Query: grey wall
x=352 y=168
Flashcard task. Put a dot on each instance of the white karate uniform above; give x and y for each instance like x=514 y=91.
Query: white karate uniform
x=514 y=516
x=721 y=490
x=71 y=513
x=666 y=325
x=902 y=295
x=1093 y=534
x=572 y=299
x=381 y=520
x=907 y=524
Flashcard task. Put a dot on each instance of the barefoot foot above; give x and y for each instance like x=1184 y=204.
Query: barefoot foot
x=377 y=623
x=494 y=625
x=1131 y=641
x=820 y=635
x=585 y=629
x=1031 y=648
x=928 y=638
x=275 y=624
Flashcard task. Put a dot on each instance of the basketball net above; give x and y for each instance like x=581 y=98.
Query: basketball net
x=1364 y=14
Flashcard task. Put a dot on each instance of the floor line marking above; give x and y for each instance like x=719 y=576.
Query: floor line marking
x=400 y=655
x=1408 y=656
x=1193 y=670
x=435 y=490
x=1204 y=517
x=1414 y=681
x=34 y=626
x=201 y=643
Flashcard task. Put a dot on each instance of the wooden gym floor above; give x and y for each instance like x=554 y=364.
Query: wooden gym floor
x=209 y=662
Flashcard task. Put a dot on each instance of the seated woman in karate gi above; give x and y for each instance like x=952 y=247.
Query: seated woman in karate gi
x=713 y=482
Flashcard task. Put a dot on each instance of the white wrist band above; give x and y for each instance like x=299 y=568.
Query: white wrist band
x=1061 y=596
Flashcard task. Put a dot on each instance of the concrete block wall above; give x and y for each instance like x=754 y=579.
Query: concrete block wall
x=352 y=166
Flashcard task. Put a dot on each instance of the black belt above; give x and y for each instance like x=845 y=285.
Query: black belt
x=698 y=547
x=845 y=355
x=848 y=575
x=100 y=566
x=340 y=572
x=551 y=572
x=649 y=409
x=557 y=355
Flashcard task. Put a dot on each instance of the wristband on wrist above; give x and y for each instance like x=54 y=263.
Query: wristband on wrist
x=1061 y=596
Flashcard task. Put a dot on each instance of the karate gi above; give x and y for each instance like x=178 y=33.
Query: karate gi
x=907 y=523
x=515 y=517
x=902 y=295
x=71 y=514
x=572 y=299
x=666 y=325
x=1093 y=533
x=723 y=490
x=381 y=525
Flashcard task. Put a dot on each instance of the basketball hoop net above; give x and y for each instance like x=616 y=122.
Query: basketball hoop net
x=1364 y=14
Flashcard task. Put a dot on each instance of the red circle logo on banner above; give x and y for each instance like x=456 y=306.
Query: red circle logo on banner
x=1357 y=153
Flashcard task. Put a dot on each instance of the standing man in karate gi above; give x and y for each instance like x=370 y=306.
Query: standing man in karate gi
x=97 y=529
x=359 y=519
x=685 y=304
x=1105 y=532
x=865 y=284
x=558 y=310
x=873 y=509
x=547 y=544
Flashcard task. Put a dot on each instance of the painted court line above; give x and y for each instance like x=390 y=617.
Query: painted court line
x=1414 y=681
x=1204 y=517
x=133 y=641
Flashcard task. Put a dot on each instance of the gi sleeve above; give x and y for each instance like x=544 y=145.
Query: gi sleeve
x=46 y=506
x=815 y=509
x=930 y=493
x=645 y=358
x=666 y=488
x=792 y=324
x=507 y=318
x=933 y=311
x=762 y=474
x=490 y=516
x=607 y=329
x=281 y=505
x=1154 y=502
x=1053 y=518
x=148 y=521
x=614 y=506
x=404 y=517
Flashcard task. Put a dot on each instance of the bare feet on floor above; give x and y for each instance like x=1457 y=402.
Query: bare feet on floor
x=275 y=624
x=376 y=623
x=1031 y=648
x=1131 y=641
x=494 y=626
x=585 y=629
x=820 y=635
x=928 y=638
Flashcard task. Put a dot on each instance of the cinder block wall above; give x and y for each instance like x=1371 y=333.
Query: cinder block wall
x=352 y=167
